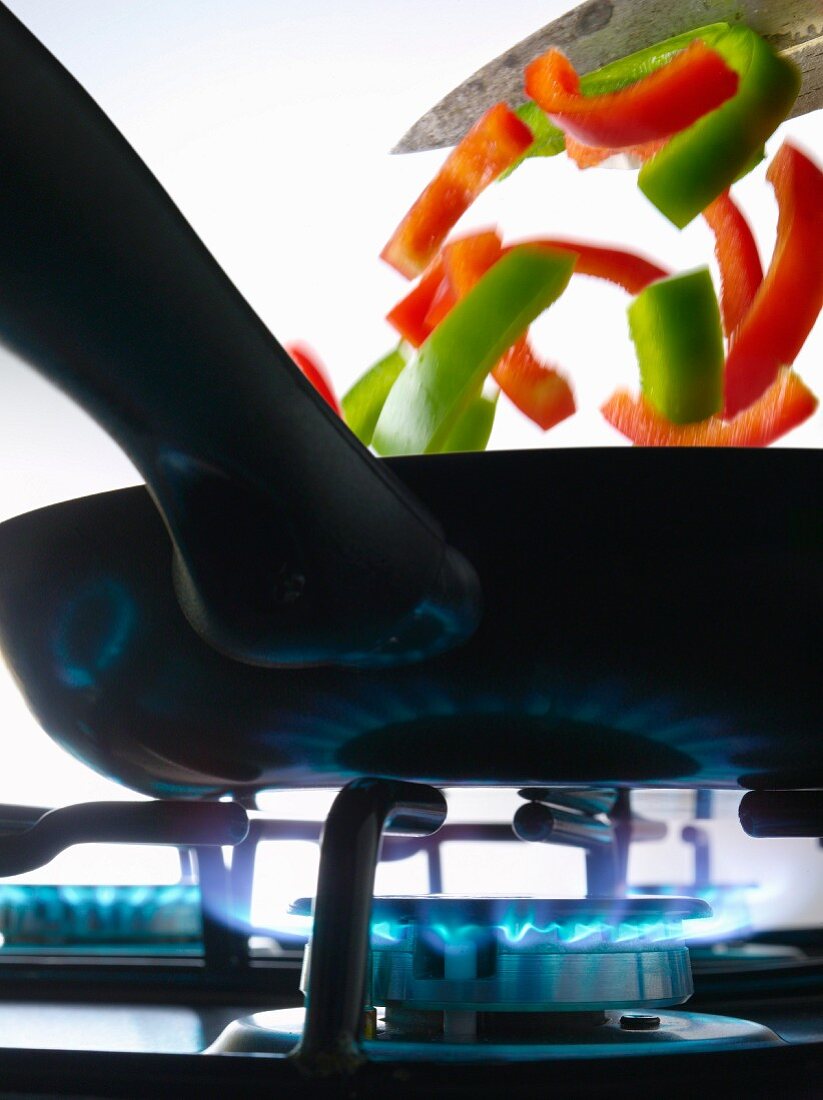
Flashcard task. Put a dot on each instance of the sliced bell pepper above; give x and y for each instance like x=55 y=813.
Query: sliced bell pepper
x=435 y=387
x=539 y=391
x=408 y=317
x=694 y=82
x=784 y=405
x=363 y=402
x=675 y=326
x=549 y=139
x=492 y=145
x=311 y=367
x=474 y=426
x=464 y=266
x=465 y=261
x=626 y=269
x=741 y=272
x=701 y=162
x=442 y=304
x=589 y=156
x=790 y=297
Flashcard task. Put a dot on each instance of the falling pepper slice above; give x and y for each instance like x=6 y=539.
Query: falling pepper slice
x=701 y=162
x=408 y=317
x=362 y=403
x=549 y=140
x=675 y=326
x=464 y=261
x=311 y=367
x=533 y=386
x=473 y=427
x=625 y=269
x=784 y=405
x=741 y=272
x=493 y=144
x=536 y=388
x=589 y=156
x=790 y=297
x=434 y=388
x=694 y=82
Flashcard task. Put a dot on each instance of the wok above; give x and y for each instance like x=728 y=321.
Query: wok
x=277 y=607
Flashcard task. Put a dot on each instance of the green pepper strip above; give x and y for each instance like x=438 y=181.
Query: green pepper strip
x=675 y=326
x=362 y=404
x=364 y=401
x=697 y=165
x=473 y=427
x=549 y=139
x=429 y=395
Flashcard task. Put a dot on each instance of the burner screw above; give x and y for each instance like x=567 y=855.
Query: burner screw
x=638 y=1021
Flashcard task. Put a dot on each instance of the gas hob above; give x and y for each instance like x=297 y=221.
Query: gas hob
x=400 y=993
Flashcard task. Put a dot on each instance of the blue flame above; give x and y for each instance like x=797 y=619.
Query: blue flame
x=96 y=915
x=731 y=910
x=731 y=914
x=517 y=929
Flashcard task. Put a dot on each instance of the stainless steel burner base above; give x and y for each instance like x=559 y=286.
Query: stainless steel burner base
x=530 y=954
x=278 y=1032
x=542 y=982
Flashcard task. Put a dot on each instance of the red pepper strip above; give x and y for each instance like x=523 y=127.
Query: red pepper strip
x=786 y=403
x=464 y=262
x=790 y=297
x=589 y=156
x=536 y=389
x=315 y=372
x=409 y=315
x=616 y=265
x=489 y=148
x=694 y=82
x=741 y=272
x=442 y=304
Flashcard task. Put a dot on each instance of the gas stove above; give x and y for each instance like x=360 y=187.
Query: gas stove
x=120 y=991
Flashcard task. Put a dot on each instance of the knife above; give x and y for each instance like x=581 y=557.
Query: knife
x=600 y=31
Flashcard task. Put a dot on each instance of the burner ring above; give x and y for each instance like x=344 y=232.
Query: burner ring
x=530 y=954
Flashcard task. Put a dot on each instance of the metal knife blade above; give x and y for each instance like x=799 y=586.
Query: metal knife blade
x=599 y=31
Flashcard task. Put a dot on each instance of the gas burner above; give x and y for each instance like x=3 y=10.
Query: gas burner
x=461 y=956
x=537 y=974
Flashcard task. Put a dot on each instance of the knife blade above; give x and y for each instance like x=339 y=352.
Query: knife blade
x=600 y=31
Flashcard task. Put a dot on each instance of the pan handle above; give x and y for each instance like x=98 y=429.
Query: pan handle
x=292 y=544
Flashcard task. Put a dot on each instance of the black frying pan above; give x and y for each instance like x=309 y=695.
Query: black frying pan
x=650 y=617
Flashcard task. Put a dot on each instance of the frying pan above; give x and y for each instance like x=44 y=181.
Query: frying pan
x=651 y=617
x=279 y=608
